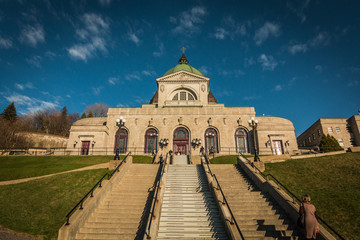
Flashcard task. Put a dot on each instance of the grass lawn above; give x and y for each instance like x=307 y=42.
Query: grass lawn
x=39 y=207
x=229 y=159
x=333 y=183
x=142 y=159
x=31 y=166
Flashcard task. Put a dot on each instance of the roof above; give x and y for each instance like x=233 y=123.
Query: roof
x=183 y=66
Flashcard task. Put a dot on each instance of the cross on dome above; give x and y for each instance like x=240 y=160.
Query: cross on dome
x=183 y=50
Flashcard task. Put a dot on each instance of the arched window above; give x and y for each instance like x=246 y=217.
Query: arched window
x=121 y=140
x=151 y=137
x=181 y=141
x=184 y=95
x=211 y=141
x=241 y=141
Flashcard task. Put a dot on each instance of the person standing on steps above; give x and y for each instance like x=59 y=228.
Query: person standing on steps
x=311 y=225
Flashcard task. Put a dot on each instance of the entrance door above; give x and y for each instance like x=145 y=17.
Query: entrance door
x=121 y=140
x=181 y=141
x=211 y=141
x=241 y=141
x=278 y=149
x=85 y=147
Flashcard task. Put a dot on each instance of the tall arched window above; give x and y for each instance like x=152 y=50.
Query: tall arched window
x=121 y=140
x=241 y=141
x=151 y=136
x=211 y=141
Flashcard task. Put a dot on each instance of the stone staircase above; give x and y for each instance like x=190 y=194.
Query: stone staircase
x=189 y=210
x=124 y=212
x=257 y=216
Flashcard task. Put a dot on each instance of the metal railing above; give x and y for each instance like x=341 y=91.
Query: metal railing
x=79 y=205
x=288 y=191
x=224 y=198
x=147 y=232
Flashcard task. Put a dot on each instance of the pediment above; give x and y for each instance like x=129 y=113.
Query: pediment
x=182 y=76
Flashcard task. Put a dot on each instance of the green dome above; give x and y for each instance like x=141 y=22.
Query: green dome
x=183 y=65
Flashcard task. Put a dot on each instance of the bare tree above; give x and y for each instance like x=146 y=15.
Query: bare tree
x=10 y=137
x=97 y=109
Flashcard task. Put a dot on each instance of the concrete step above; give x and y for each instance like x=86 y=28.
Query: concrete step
x=120 y=220
x=103 y=236
x=110 y=225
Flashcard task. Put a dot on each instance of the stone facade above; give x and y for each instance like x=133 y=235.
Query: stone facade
x=182 y=116
x=345 y=130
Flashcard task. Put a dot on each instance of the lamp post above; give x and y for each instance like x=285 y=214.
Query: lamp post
x=163 y=142
x=253 y=124
x=196 y=142
x=120 y=122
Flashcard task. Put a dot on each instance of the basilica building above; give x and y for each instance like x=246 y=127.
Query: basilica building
x=182 y=116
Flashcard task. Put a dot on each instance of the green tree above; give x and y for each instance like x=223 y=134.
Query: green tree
x=9 y=113
x=83 y=115
x=329 y=144
x=90 y=114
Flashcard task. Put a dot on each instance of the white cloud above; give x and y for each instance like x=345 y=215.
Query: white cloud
x=50 y=54
x=299 y=10
x=160 y=52
x=296 y=48
x=32 y=35
x=5 y=43
x=133 y=76
x=92 y=36
x=97 y=90
x=234 y=73
x=68 y=96
x=188 y=22
x=269 y=29
x=267 y=62
x=220 y=33
x=249 y=62
x=318 y=68
x=35 y=61
x=278 y=88
x=148 y=73
x=25 y=104
x=24 y=86
x=113 y=80
x=321 y=39
x=229 y=29
x=132 y=37
x=204 y=70
x=250 y=98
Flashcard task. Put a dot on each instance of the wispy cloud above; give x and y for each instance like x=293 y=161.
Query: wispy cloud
x=234 y=73
x=318 y=68
x=5 y=43
x=299 y=10
x=278 y=88
x=92 y=37
x=160 y=50
x=25 y=104
x=229 y=29
x=296 y=48
x=135 y=39
x=97 y=90
x=28 y=85
x=267 y=62
x=204 y=70
x=113 y=80
x=250 y=98
x=249 y=62
x=188 y=21
x=35 y=61
x=321 y=39
x=133 y=76
x=148 y=73
x=267 y=30
x=32 y=35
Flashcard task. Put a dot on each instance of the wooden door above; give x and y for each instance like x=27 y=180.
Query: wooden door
x=85 y=146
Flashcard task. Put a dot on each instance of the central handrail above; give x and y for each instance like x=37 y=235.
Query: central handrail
x=293 y=195
x=91 y=192
x=224 y=198
x=147 y=232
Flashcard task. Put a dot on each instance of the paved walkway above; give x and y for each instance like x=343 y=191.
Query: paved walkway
x=98 y=166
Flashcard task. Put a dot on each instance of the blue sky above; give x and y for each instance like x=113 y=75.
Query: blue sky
x=294 y=59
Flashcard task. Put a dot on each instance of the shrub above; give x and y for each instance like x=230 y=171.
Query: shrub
x=329 y=143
